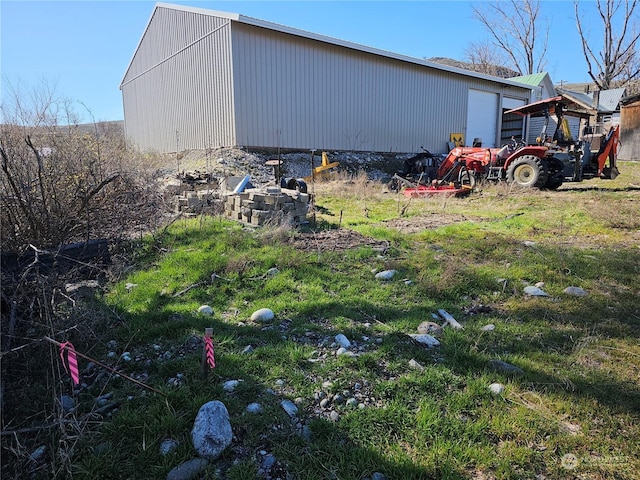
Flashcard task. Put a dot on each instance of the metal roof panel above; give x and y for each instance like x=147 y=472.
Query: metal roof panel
x=326 y=39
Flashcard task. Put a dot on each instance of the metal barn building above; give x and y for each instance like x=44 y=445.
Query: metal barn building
x=204 y=79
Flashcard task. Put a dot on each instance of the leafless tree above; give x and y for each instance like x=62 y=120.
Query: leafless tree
x=485 y=58
x=619 y=57
x=516 y=30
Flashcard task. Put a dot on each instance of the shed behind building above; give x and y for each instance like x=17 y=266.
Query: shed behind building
x=630 y=129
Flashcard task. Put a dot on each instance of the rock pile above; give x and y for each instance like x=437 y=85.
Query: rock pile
x=270 y=205
x=201 y=201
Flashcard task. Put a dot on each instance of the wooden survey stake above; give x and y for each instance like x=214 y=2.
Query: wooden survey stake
x=208 y=360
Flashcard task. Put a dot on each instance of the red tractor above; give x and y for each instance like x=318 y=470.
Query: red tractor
x=548 y=165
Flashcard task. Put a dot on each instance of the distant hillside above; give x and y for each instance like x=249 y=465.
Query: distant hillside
x=495 y=70
x=111 y=126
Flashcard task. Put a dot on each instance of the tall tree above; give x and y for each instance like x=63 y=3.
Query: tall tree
x=516 y=30
x=619 y=58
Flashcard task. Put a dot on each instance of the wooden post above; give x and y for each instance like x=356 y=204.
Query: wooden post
x=204 y=366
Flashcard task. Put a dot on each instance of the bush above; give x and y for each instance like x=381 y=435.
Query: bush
x=63 y=181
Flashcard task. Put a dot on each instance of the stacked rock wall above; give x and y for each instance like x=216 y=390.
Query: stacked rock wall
x=273 y=205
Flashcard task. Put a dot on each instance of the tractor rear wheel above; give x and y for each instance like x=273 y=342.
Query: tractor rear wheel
x=528 y=171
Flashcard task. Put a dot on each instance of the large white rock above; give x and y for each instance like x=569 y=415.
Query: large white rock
x=262 y=315
x=205 y=310
x=211 y=432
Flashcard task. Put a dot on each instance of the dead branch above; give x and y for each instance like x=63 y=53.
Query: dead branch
x=113 y=370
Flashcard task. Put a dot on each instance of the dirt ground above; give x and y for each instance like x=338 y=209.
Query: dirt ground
x=417 y=224
x=335 y=240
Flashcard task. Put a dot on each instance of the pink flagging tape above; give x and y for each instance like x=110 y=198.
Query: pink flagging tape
x=71 y=360
x=208 y=346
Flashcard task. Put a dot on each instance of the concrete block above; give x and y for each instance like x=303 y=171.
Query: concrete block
x=303 y=197
x=257 y=196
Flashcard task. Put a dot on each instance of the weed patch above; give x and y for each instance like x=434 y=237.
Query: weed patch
x=384 y=403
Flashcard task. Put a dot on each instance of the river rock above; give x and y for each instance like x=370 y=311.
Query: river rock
x=496 y=388
x=504 y=367
x=38 y=454
x=343 y=341
x=211 y=432
x=67 y=403
x=386 y=275
x=577 y=291
x=413 y=363
x=289 y=407
x=188 y=470
x=230 y=385
x=425 y=339
x=254 y=408
x=205 y=310
x=262 y=315
x=430 y=328
x=535 y=291
x=168 y=445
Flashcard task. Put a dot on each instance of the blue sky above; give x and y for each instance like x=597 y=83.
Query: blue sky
x=82 y=48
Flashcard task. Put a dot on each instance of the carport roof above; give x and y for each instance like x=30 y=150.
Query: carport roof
x=574 y=106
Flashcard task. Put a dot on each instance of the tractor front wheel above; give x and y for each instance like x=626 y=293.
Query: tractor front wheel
x=528 y=171
x=467 y=179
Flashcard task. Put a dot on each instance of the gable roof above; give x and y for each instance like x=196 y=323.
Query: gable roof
x=535 y=79
x=236 y=17
x=608 y=100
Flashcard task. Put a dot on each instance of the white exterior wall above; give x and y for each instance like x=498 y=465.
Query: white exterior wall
x=294 y=92
x=180 y=79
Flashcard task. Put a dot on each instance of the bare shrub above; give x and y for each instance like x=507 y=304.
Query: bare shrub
x=63 y=181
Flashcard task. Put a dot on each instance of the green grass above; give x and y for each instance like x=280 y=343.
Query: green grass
x=579 y=394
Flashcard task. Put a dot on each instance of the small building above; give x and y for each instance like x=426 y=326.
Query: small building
x=604 y=105
x=630 y=128
x=204 y=79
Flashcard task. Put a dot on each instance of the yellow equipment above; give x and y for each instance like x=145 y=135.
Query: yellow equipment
x=324 y=171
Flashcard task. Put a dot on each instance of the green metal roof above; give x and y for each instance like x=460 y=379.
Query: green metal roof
x=535 y=79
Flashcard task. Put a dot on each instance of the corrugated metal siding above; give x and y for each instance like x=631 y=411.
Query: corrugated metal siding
x=233 y=84
x=294 y=92
x=180 y=79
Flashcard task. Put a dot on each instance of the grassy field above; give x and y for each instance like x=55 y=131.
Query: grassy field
x=425 y=413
